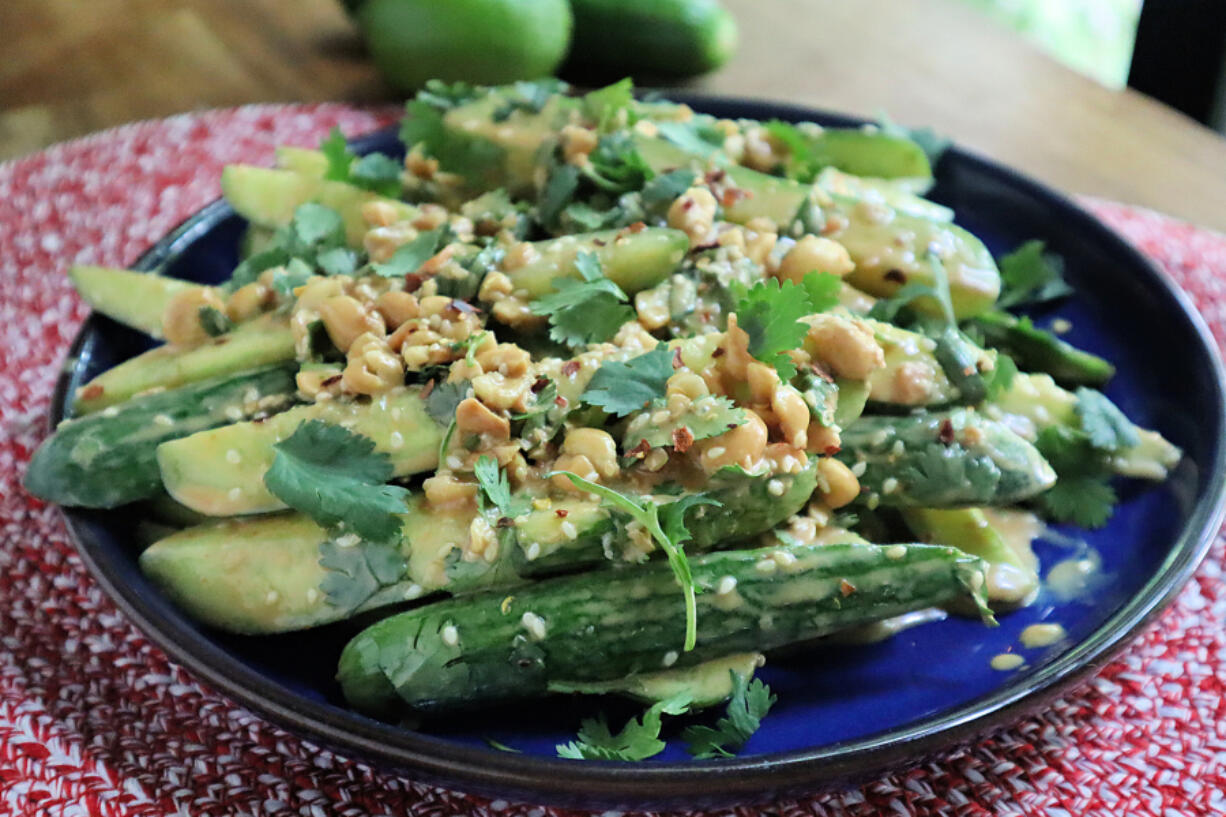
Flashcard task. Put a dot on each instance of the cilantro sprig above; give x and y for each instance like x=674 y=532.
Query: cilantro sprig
x=376 y=172
x=622 y=388
x=666 y=524
x=409 y=257
x=770 y=314
x=586 y=311
x=1083 y=494
x=639 y=739
x=497 y=489
x=338 y=479
x=750 y=703
x=1031 y=275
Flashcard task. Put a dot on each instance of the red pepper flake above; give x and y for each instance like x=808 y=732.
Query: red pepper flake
x=683 y=438
x=413 y=282
x=967 y=371
x=561 y=402
x=561 y=513
x=571 y=368
x=222 y=341
x=715 y=176
x=719 y=352
x=425 y=392
x=846 y=587
x=732 y=195
x=831 y=450
x=687 y=203
x=330 y=381
x=677 y=361
x=599 y=242
x=822 y=372
x=539 y=384
x=640 y=450
x=946 y=434
x=90 y=392
x=504 y=522
x=636 y=227
x=896 y=276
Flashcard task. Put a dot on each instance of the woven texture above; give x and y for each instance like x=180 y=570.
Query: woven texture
x=95 y=720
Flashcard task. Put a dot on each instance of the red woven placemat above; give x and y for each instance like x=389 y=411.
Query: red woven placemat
x=95 y=720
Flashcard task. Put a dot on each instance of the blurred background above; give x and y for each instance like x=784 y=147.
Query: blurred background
x=1117 y=98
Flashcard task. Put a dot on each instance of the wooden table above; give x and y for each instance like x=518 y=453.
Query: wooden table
x=71 y=67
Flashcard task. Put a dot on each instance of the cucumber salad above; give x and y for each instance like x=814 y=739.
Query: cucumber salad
x=594 y=395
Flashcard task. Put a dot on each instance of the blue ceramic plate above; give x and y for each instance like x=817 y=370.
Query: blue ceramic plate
x=844 y=712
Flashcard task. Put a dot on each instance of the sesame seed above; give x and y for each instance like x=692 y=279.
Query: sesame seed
x=775 y=487
x=395 y=440
x=110 y=411
x=163 y=420
x=413 y=591
x=726 y=585
x=234 y=494
x=534 y=624
x=716 y=452
x=899 y=448
x=233 y=413
x=895 y=552
x=233 y=457
x=766 y=565
x=670 y=658
x=569 y=530
x=455 y=463
x=889 y=485
x=348 y=540
x=272 y=597
x=532 y=551
x=859 y=468
x=873 y=501
x=660 y=417
x=783 y=558
x=450 y=635
x=312 y=595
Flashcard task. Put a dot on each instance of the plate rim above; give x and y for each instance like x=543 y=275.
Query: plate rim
x=564 y=782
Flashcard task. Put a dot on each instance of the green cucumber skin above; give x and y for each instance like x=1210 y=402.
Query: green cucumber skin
x=135 y=299
x=1002 y=467
x=959 y=358
x=677 y=38
x=1037 y=350
x=870 y=153
x=104 y=460
x=608 y=625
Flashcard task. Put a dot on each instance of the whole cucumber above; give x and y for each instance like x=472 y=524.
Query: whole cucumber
x=504 y=645
x=678 y=38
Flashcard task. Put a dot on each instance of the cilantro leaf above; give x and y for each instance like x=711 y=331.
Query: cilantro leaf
x=336 y=150
x=931 y=142
x=1001 y=377
x=442 y=401
x=249 y=270
x=621 y=388
x=639 y=739
x=337 y=261
x=750 y=703
x=663 y=190
x=587 y=311
x=823 y=290
x=378 y=173
x=1088 y=501
x=314 y=230
x=409 y=257
x=709 y=416
x=497 y=488
x=1082 y=494
x=530 y=97
x=770 y=314
x=666 y=524
x=616 y=166
x=356 y=573
x=1103 y=422
x=337 y=478
x=295 y=274
x=316 y=225
x=691 y=137
x=1029 y=275
x=214 y=321
x=477 y=159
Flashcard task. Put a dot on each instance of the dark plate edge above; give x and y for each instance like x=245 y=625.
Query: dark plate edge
x=664 y=784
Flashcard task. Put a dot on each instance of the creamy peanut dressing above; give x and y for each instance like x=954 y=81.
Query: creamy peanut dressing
x=1006 y=661
x=1042 y=635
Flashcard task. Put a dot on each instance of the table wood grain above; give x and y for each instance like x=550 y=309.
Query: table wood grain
x=72 y=67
